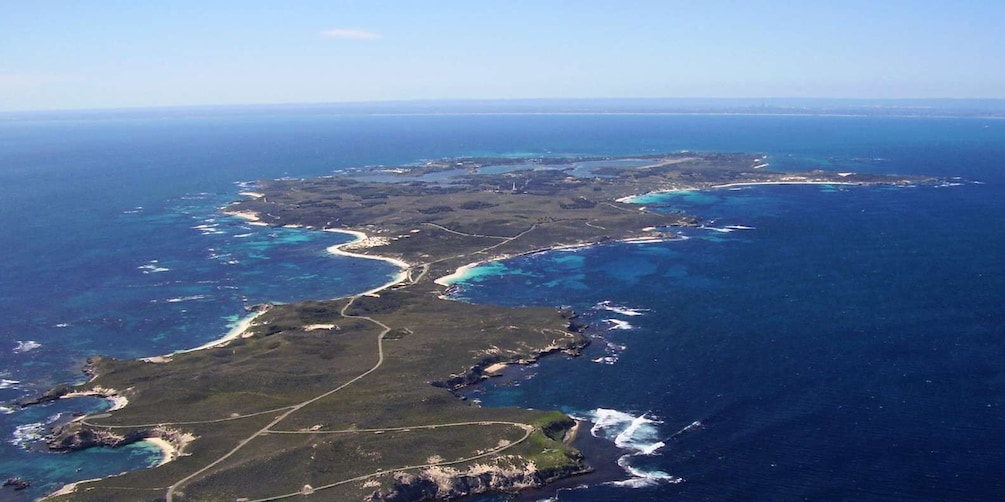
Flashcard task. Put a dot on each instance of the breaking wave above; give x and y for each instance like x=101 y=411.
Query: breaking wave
x=618 y=324
x=27 y=433
x=639 y=436
x=152 y=267
x=26 y=346
x=607 y=305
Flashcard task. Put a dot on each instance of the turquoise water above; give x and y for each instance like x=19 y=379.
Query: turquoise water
x=838 y=344
x=843 y=344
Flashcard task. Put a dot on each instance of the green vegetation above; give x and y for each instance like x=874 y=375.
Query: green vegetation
x=351 y=398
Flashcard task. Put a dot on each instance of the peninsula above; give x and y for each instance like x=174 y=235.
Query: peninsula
x=351 y=398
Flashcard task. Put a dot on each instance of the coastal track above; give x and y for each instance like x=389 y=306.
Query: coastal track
x=285 y=412
x=292 y=409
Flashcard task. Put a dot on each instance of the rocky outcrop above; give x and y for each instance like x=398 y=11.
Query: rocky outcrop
x=76 y=436
x=573 y=347
x=51 y=395
x=443 y=482
x=258 y=307
x=17 y=483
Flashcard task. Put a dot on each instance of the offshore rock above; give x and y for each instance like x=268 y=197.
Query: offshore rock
x=17 y=482
x=53 y=394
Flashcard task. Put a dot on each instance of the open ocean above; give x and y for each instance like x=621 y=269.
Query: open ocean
x=812 y=342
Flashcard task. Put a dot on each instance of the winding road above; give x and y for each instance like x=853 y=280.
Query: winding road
x=286 y=411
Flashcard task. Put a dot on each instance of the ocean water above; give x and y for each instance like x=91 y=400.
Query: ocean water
x=810 y=342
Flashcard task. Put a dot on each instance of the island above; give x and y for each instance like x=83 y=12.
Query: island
x=355 y=398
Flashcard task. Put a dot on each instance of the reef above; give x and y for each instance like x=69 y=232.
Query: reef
x=353 y=398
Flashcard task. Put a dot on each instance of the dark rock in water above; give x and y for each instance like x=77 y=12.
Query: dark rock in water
x=577 y=326
x=17 y=483
x=568 y=313
x=258 y=307
x=51 y=395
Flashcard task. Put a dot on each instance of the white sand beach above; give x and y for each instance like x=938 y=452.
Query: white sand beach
x=632 y=198
x=171 y=444
x=786 y=182
x=463 y=272
x=364 y=241
x=236 y=332
x=246 y=215
x=118 y=400
x=168 y=451
x=460 y=274
x=68 y=488
x=495 y=368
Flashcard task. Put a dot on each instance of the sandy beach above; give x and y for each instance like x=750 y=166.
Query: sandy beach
x=69 y=488
x=462 y=272
x=169 y=451
x=244 y=215
x=632 y=198
x=807 y=182
x=171 y=448
x=242 y=327
x=234 y=333
x=363 y=238
x=495 y=368
x=118 y=401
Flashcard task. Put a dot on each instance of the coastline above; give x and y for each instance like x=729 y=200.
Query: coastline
x=245 y=323
x=630 y=199
x=171 y=444
x=461 y=272
x=753 y=183
x=71 y=487
x=361 y=237
x=118 y=400
x=167 y=450
x=170 y=449
x=236 y=332
x=362 y=243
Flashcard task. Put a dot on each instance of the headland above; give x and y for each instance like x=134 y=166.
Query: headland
x=352 y=398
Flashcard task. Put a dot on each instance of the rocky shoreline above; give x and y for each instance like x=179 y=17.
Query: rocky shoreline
x=502 y=475
x=489 y=366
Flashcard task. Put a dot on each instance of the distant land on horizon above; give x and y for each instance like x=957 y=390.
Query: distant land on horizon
x=936 y=107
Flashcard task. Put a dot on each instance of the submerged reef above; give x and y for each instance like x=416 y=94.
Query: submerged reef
x=353 y=398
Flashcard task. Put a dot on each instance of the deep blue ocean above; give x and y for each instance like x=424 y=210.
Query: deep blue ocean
x=817 y=342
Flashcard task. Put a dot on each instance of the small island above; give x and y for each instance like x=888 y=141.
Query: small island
x=353 y=398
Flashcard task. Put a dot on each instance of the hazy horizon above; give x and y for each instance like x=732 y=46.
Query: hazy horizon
x=65 y=55
x=964 y=107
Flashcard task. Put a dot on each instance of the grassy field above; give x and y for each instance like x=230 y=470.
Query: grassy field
x=351 y=398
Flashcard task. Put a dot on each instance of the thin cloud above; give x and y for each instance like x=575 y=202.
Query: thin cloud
x=350 y=34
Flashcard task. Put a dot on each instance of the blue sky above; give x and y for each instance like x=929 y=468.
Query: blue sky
x=106 y=53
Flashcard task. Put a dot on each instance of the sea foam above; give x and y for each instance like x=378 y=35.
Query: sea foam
x=618 y=309
x=26 y=346
x=639 y=436
x=619 y=324
x=27 y=433
x=152 y=267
